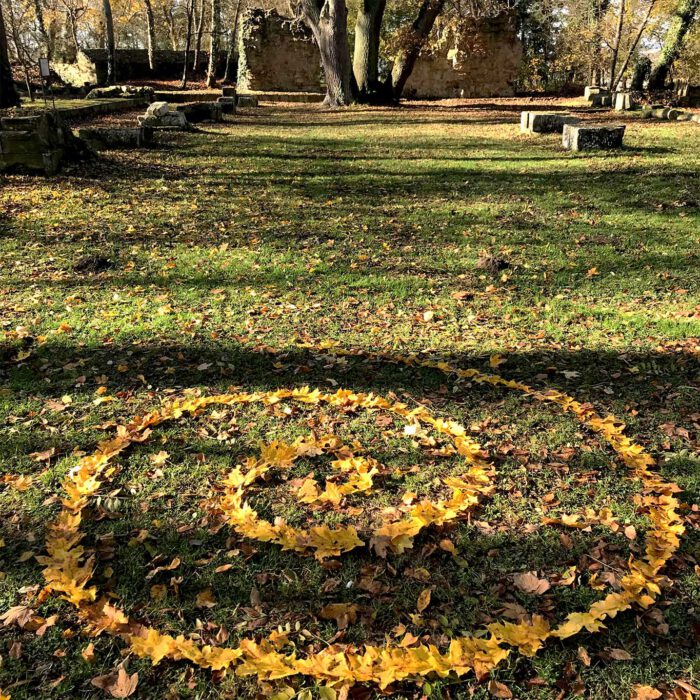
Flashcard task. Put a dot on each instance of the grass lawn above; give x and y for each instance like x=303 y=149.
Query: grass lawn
x=432 y=228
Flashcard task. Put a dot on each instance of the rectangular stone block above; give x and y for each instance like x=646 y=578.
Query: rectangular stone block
x=545 y=122
x=623 y=102
x=584 y=137
x=228 y=91
x=602 y=100
x=591 y=90
x=247 y=101
x=228 y=104
x=201 y=111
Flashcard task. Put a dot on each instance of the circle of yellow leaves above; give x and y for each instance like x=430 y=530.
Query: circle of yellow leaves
x=69 y=566
x=323 y=541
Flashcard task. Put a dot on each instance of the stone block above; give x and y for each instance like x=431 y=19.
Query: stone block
x=247 y=101
x=201 y=111
x=592 y=90
x=100 y=138
x=696 y=118
x=684 y=117
x=228 y=91
x=583 y=137
x=157 y=109
x=545 y=122
x=660 y=112
x=623 y=102
x=646 y=112
x=601 y=100
x=171 y=120
x=228 y=104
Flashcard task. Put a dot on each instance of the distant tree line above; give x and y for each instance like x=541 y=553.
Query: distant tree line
x=368 y=47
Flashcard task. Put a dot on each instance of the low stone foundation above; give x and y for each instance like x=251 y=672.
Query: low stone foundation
x=38 y=143
x=104 y=138
x=201 y=111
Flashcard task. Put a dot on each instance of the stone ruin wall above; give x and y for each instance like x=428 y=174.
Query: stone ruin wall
x=277 y=53
x=484 y=62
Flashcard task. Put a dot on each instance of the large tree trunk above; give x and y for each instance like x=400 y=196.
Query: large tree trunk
x=151 y=28
x=109 y=42
x=616 y=44
x=366 y=55
x=633 y=46
x=417 y=36
x=328 y=20
x=682 y=21
x=8 y=91
x=215 y=42
x=189 y=8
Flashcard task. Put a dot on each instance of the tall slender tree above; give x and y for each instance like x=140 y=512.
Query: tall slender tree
x=681 y=23
x=151 y=33
x=8 y=92
x=189 y=11
x=616 y=42
x=214 y=42
x=413 y=43
x=109 y=42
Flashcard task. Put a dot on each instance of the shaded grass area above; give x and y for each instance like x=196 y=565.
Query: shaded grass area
x=367 y=227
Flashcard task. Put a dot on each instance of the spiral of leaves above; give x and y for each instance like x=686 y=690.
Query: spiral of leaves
x=69 y=564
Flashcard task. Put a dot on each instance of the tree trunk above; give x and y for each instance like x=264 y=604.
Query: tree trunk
x=46 y=41
x=232 y=41
x=682 y=21
x=214 y=42
x=109 y=42
x=616 y=44
x=22 y=56
x=633 y=46
x=328 y=20
x=151 y=28
x=8 y=91
x=170 y=21
x=366 y=55
x=419 y=32
x=198 y=32
x=188 y=42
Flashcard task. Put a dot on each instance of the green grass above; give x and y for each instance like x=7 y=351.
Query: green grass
x=364 y=226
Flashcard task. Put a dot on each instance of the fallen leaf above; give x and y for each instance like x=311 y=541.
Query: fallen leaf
x=499 y=690
x=529 y=583
x=423 y=600
x=119 y=684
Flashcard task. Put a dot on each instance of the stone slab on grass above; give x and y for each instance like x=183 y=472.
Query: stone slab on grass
x=586 y=137
x=247 y=101
x=545 y=122
x=103 y=138
x=201 y=111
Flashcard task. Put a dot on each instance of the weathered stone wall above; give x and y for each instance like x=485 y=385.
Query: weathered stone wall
x=276 y=53
x=90 y=66
x=482 y=62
